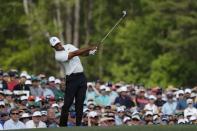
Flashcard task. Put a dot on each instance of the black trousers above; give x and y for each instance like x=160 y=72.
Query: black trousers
x=76 y=86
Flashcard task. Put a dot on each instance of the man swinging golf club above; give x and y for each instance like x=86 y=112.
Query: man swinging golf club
x=76 y=83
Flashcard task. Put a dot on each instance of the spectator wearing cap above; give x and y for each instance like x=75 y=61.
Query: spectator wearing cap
x=51 y=122
x=123 y=99
x=25 y=117
x=35 y=89
x=14 y=122
x=36 y=121
x=159 y=102
x=127 y=120
x=3 y=83
x=59 y=91
x=93 y=118
x=44 y=116
x=2 y=95
x=188 y=92
x=151 y=106
x=23 y=101
x=2 y=106
x=103 y=99
x=141 y=100
x=21 y=83
x=4 y=117
x=54 y=85
x=190 y=109
x=181 y=101
x=106 y=122
x=112 y=94
x=157 y=119
x=9 y=98
x=46 y=90
x=134 y=120
x=12 y=80
x=148 y=118
x=169 y=108
x=91 y=92
x=6 y=78
x=120 y=111
x=180 y=117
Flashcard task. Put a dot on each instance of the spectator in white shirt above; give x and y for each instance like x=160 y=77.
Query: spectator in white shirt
x=151 y=106
x=36 y=121
x=190 y=109
x=13 y=122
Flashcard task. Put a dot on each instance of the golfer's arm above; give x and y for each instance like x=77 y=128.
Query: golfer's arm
x=80 y=52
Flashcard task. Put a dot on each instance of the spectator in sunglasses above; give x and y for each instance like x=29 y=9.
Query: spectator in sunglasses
x=13 y=122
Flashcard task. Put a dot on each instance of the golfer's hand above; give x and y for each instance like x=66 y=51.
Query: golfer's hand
x=93 y=51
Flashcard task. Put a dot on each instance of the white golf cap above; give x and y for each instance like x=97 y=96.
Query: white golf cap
x=120 y=109
x=54 y=40
x=23 y=98
x=23 y=74
x=37 y=113
x=7 y=92
x=180 y=92
x=55 y=105
x=28 y=77
x=152 y=97
x=57 y=81
x=189 y=101
x=181 y=121
x=2 y=103
x=25 y=115
x=193 y=94
x=43 y=113
x=37 y=99
x=28 y=82
x=51 y=79
x=188 y=90
x=125 y=119
x=149 y=113
x=102 y=87
x=107 y=89
x=122 y=89
x=135 y=117
x=92 y=114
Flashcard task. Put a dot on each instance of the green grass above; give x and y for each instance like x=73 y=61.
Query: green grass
x=122 y=128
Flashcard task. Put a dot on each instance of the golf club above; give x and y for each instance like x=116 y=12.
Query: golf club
x=124 y=14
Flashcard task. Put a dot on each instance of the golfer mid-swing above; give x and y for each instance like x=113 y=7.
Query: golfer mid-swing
x=76 y=83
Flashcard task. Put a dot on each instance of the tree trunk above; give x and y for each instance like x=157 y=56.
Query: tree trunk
x=25 y=6
x=59 y=21
x=68 y=23
x=88 y=21
x=76 y=24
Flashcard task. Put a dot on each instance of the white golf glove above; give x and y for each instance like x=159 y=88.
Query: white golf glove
x=92 y=52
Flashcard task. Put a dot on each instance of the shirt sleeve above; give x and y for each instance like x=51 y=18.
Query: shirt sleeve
x=61 y=56
x=72 y=47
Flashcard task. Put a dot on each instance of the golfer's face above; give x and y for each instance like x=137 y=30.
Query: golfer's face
x=59 y=47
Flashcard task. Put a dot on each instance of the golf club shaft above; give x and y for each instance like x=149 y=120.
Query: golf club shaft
x=112 y=29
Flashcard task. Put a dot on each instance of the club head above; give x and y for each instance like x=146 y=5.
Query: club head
x=124 y=13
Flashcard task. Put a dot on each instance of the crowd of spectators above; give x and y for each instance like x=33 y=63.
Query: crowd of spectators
x=35 y=101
